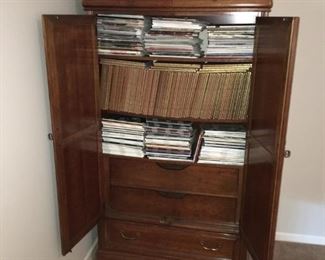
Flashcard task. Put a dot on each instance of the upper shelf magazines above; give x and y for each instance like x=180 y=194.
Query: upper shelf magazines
x=223 y=144
x=235 y=40
x=174 y=37
x=121 y=34
x=137 y=35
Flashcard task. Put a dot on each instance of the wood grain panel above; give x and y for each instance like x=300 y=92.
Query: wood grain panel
x=273 y=70
x=171 y=206
x=81 y=195
x=196 y=179
x=167 y=242
x=70 y=43
x=116 y=255
x=163 y=4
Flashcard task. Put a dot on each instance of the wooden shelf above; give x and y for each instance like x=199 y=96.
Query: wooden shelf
x=231 y=59
x=194 y=120
x=178 y=7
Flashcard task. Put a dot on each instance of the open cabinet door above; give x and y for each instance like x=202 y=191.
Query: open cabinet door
x=72 y=65
x=275 y=47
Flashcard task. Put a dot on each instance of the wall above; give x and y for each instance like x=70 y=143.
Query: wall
x=302 y=200
x=29 y=225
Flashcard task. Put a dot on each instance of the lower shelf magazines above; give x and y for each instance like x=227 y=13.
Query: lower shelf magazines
x=223 y=144
x=169 y=140
x=123 y=136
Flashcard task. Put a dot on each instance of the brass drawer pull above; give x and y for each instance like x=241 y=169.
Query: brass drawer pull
x=209 y=248
x=128 y=237
x=172 y=166
x=172 y=195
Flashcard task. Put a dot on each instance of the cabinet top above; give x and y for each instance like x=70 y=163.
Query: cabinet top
x=178 y=5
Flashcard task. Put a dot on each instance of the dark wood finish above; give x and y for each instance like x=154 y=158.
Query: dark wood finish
x=106 y=181
x=239 y=167
x=194 y=120
x=165 y=209
x=195 y=179
x=166 y=242
x=73 y=88
x=114 y=255
x=178 y=5
x=171 y=206
x=220 y=227
x=223 y=16
x=242 y=252
x=216 y=60
x=273 y=70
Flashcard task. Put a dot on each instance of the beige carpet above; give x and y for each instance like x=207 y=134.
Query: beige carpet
x=295 y=251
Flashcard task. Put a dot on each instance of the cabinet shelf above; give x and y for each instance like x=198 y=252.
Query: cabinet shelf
x=221 y=59
x=106 y=113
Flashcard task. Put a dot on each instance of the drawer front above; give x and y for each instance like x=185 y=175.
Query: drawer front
x=174 y=206
x=167 y=242
x=182 y=178
x=113 y=255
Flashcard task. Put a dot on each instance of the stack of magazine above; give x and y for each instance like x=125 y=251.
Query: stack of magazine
x=223 y=144
x=123 y=136
x=121 y=34
x=176 y=90
x=230 y=40
x=167 y=140
x=174 y=37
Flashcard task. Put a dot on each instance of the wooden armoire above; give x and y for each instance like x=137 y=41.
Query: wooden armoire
x=146 y=209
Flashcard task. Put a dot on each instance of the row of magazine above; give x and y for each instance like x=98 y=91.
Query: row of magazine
x=218 y=91
x=174 y=140
x=137 y=35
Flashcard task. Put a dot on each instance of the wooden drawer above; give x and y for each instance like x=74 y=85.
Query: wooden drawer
x=170 y=206
x=166 y=242
x=205 y=180
x=113 y=255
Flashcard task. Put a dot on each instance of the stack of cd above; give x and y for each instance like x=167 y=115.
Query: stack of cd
x=174 y=37
x=123 y=136
x=223 y=144
x=230 y=40
x=120 y=34
x=167 y=140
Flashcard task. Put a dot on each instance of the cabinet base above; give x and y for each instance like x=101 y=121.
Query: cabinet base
x=114 y=255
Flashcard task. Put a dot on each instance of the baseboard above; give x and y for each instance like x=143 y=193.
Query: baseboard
x=91 y=254
x=299 y=238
